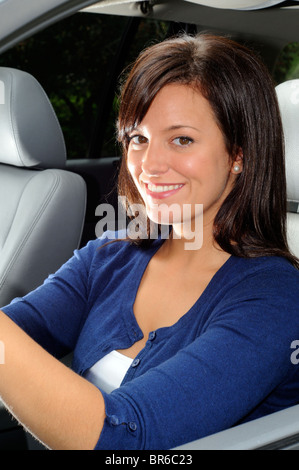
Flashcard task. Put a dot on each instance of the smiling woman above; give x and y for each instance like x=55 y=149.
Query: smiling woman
x=177 y=163
x=251 y=221
x=211 y=327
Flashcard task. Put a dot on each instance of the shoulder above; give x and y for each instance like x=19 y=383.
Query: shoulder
x=110 y=243
x=271 y=279
x=258 y=297
x=107 y=239
x=268 y=267
x=113 y=247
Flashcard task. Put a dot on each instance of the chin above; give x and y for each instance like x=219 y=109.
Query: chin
x=166 y=215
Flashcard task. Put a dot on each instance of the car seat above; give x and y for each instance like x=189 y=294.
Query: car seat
x=42 y=206
x=288 y=98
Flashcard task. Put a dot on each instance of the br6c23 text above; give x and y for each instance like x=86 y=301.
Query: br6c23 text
x=170 y=459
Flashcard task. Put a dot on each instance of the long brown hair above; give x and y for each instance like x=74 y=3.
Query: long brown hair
x=252 y=220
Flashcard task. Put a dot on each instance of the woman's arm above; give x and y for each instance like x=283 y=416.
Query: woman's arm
x=59 y=407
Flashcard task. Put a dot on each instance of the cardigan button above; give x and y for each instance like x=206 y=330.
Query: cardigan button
x=152 y=336
x=114 y=420
x=136 y=362
x=132 y=426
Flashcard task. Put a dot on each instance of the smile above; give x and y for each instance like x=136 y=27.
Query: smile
x=159 y=191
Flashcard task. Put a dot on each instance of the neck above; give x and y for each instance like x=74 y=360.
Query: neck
x=189 y=247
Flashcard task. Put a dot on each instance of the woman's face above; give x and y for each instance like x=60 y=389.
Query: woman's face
x=177 y=156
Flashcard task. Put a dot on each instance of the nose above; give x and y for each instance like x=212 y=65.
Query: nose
x=154 y=161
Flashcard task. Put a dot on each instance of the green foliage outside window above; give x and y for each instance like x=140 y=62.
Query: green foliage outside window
x=71 y=60
x=287 y=64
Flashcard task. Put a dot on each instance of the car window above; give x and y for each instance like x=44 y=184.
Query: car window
x=287 y=64
x=72 y=60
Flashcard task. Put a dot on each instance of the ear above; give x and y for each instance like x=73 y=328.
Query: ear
x=237 y=166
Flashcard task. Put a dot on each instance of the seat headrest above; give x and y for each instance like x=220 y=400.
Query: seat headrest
x=288 y=98
x=30 y=134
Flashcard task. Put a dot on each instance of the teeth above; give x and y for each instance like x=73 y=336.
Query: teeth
x=160 y=189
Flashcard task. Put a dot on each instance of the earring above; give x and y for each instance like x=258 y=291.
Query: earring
x=236 y=168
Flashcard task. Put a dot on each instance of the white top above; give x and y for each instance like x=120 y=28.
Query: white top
x=108 y=373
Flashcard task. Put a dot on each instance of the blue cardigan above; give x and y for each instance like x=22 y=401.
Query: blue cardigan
x=226 y=361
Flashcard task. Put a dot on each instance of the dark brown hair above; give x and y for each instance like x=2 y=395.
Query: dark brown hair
x=252 y=220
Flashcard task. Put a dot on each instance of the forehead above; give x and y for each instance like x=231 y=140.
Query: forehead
x=177 y=104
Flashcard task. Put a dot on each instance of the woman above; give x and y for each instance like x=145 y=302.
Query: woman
x=171 y=342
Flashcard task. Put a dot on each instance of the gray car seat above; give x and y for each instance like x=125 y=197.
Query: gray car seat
x=288 y=98
x=42 y=206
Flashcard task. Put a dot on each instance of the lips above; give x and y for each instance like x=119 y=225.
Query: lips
x=160 y=191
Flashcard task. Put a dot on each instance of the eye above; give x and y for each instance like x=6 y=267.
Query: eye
x=183 y=141
x=138 y=139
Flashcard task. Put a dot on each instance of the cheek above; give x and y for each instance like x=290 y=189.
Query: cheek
x=195 y=166
x=206 y=164
x=134 y=167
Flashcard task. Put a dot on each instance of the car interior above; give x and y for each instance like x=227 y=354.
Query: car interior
x=33 y=244
x=64 y=149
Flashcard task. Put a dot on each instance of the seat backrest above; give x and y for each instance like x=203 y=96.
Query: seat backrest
x=42 y=206
x=288 y=98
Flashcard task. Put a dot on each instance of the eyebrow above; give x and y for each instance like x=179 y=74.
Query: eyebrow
x=180 y=126
x=171 y=128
